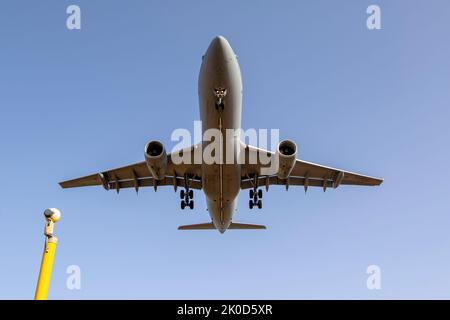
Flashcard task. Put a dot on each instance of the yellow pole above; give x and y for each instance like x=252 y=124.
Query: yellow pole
x=46 y=269
x=52 y=215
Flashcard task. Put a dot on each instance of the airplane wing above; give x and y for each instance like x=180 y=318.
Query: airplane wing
x=138 y=175
x=304 y=174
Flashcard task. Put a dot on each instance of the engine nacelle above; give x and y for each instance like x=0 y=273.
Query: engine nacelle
x=287 y=154
x=156 y=159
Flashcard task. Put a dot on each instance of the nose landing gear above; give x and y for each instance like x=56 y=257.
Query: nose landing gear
x=220 y=94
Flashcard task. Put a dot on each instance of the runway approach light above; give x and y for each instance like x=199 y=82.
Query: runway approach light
x=51 y=215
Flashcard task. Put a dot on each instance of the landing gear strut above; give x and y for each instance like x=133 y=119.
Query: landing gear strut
x=255 y=198
x=186 y=197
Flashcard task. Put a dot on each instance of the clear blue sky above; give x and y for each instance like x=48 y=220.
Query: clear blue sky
x=376 y=102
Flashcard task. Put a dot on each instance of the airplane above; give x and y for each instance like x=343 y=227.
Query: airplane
x=220 y=102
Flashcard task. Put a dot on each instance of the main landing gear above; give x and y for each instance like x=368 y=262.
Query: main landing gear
x=255 y=198
x=187 y=197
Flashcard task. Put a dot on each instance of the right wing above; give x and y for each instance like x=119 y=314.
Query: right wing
x=303 y=174
x=138 y=175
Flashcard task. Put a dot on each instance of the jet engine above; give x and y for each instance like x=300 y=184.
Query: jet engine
x=287 y=154
x=156 y=159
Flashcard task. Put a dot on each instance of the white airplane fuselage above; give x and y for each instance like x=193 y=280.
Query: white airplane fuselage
x=221 y=181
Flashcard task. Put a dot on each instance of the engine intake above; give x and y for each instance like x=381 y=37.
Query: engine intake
x=287 y=154
x=156 y=159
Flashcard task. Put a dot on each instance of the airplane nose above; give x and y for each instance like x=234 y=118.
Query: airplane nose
x=219 y=42
x=220 y=49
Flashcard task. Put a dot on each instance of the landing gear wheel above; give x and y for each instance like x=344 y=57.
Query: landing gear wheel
x=191 y=194
x=260 y=193
x=191 y=204
x=251 y=204
x=259 y=204
x=251 y=193
x=183 y=205
x=182 y=194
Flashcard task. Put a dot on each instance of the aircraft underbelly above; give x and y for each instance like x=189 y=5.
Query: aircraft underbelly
x=221 y=181
x=221 y=185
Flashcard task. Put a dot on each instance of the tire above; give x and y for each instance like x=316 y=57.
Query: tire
x=183 y=205
x=182 y=194
x=251 y=204
x=260 y=193
x=251 y=193
x=191 y=194
x=191 y=204
x=259 y=204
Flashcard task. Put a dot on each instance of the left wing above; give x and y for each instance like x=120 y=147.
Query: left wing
x=138 y=175
x=303 y=174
